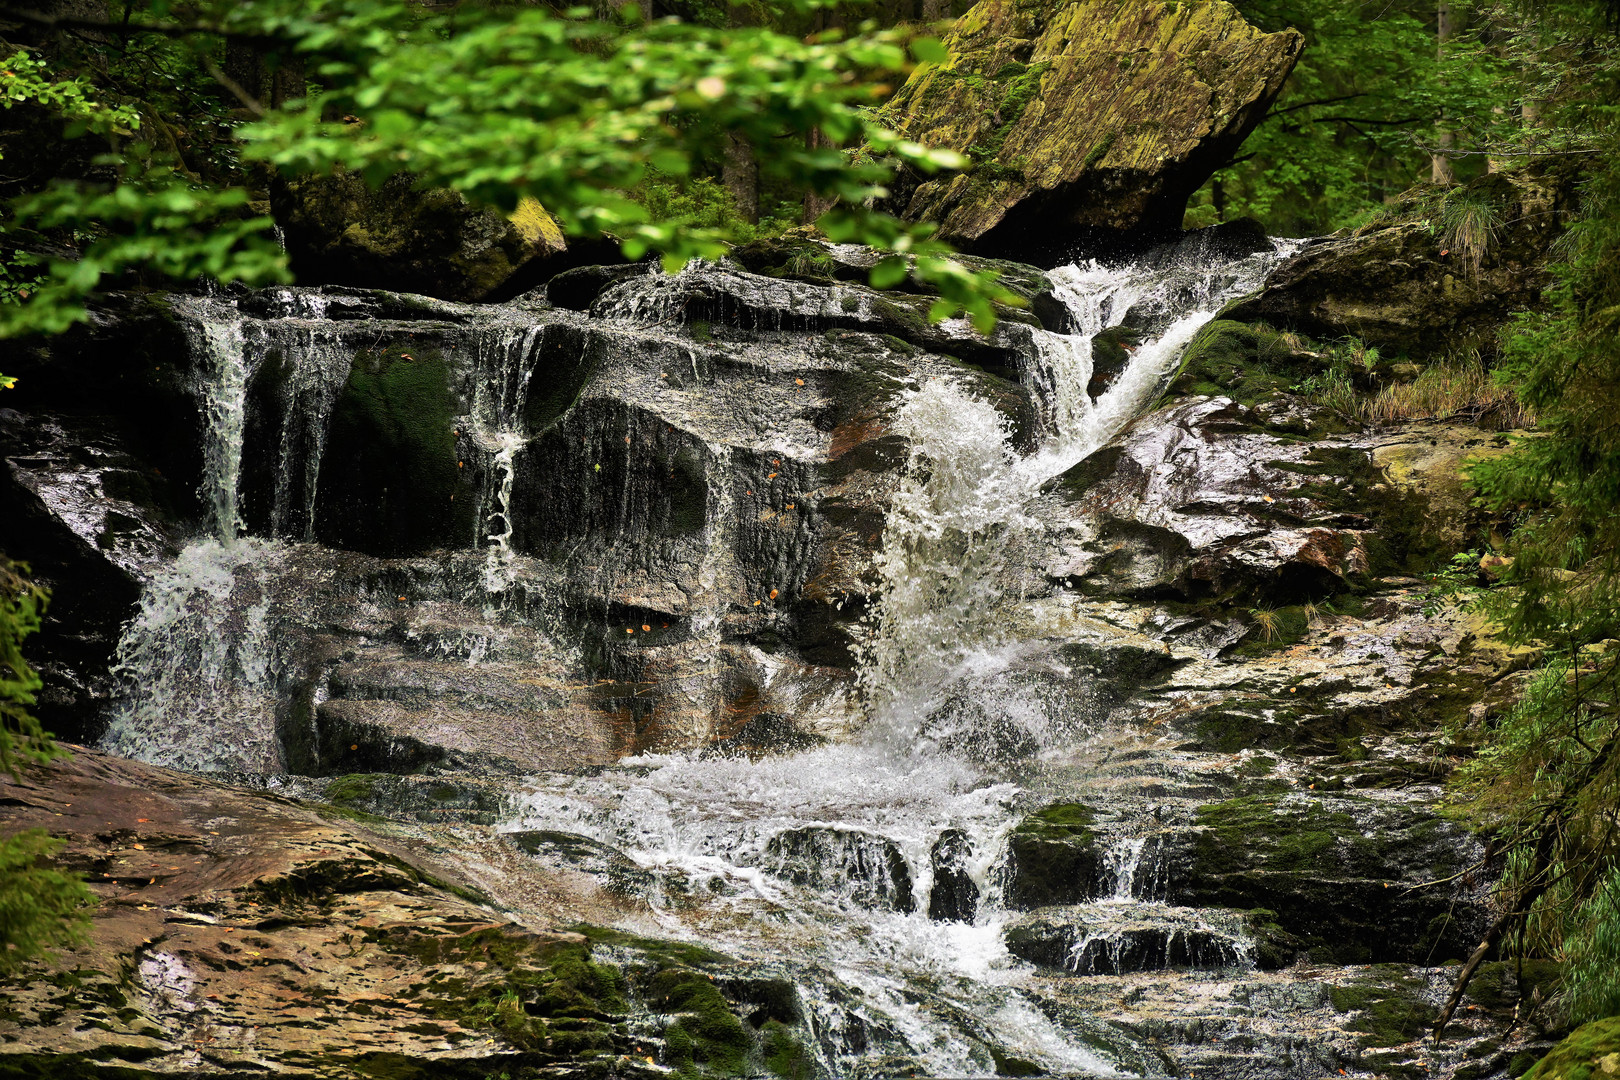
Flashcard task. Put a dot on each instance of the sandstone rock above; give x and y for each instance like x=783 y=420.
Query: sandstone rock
x=243 y=934
x=341 y=231
x=1087 y=116
x=1406 y=287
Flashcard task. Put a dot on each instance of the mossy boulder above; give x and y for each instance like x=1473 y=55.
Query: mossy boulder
x=1349 y=877
x=1590 y=1052
x=1247 y=363
x=1407 y=283
x=1053 y=858
x=341 y=231
x=1388 y=1004
x=1086 y=116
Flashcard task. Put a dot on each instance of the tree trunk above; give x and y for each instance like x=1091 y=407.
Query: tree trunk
x=934 y=11
x=740 y=173
x=1440 y=162
x=814 y=204
x=272 y=82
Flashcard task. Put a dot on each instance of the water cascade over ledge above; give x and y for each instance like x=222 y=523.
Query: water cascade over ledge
x=619 y=576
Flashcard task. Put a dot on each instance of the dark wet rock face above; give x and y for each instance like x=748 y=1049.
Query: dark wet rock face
x=674 y=499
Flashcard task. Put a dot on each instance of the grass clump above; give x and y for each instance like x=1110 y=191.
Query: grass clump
x=1471 y=225
x=1456 y=387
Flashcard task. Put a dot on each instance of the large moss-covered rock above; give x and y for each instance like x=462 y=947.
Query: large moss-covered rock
x=1085 y=115
x=1441 y=271
x=1053 y=858
x=341 y=231
x=1592 y=1052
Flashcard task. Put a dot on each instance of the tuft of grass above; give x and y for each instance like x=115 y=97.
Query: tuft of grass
x=1268 y=622
x=1470 y=225
x=1458 y=386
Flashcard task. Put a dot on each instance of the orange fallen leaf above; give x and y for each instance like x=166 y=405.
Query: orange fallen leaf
x=756 y=603
x=354 y=746
x=790 y=506
x=771 y=477
x=139 y=847
x=402 y=599
x=142 y=819
x=645 y=628
x=629 y=629
x=773 y=594
x=799 y=382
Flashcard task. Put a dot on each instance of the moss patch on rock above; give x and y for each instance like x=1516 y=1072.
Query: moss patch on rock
x=1390 y=1005
x=1590 y=1052
x=1053 y=857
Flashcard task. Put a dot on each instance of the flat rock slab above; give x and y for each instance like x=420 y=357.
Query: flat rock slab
x=240 y=933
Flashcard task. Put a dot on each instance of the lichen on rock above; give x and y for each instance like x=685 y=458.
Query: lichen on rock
x=1090 y=115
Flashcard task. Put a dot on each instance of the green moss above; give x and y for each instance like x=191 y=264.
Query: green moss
x=654 y=951
x=1590 y=1051
x=1095 y=155
x=784 y=1055
x=706 y=1037
x=1248 y=364
x=1295 y=838
x=353 y=788
x=1053 y=856
x=1389 y=1004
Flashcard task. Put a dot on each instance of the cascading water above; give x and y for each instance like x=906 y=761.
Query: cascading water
x=841 y=857
x=831 y=856
x=508 y=356
x=200 y=653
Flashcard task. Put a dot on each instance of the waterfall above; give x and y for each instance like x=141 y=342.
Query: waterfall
x=833 y=855
x=871 y=865
x=503 y=359
x=199 y=657
x=215 y=332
